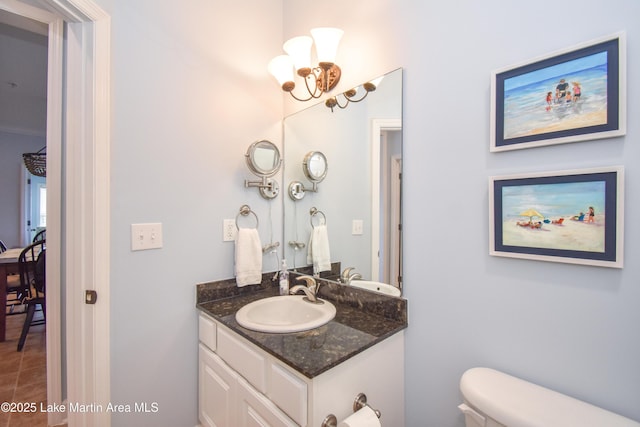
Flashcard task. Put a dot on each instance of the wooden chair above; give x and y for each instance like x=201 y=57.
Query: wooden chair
x=13 y=284
x=40 y=235
x=19 y=286
x=37 y=275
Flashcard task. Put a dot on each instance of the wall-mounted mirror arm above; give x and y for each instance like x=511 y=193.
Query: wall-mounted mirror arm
x=268 y=187
x=297 y=190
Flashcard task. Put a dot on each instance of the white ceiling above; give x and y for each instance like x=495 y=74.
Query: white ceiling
x=23 y=75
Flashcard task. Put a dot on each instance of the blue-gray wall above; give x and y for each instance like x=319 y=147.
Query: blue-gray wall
x=190 y=92
x=571 y=328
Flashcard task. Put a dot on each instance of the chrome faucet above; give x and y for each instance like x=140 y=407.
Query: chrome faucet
x=346 y=277
x=310 y=288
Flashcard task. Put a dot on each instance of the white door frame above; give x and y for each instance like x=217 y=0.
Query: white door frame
x=87 y=221
x=85 y=224
x=377 y=127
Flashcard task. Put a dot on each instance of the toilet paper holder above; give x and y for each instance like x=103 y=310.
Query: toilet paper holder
x=358 y=403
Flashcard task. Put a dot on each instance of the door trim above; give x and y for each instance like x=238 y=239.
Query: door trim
x=87 y=221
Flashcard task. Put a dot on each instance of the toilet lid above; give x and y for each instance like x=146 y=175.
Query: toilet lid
x=518 y=403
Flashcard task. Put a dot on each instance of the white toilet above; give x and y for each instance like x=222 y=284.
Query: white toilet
x=495 y=399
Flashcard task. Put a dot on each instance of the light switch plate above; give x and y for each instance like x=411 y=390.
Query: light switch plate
x=146 y=236
x=357 y=227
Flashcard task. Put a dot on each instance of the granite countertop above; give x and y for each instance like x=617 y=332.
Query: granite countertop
x=362 y=320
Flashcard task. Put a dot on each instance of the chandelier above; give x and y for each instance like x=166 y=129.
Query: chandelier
x=318 y=79
x=36 y=163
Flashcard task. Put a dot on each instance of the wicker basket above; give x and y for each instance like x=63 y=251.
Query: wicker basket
x=36 y=163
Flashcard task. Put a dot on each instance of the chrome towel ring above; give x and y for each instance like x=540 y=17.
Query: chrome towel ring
x=313 y=212
x=245 y=210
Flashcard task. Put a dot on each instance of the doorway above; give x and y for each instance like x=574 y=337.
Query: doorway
x=25 y=44
x=386 y=215
x=78 y=243
x=390 y=207
x=34 y=206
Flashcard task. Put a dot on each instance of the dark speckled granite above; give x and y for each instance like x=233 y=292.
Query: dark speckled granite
x=362 y=319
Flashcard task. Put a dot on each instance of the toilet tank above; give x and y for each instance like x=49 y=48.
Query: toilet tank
x=493 y=398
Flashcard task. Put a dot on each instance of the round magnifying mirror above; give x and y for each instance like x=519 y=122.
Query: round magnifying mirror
x=315 y=166
x=263 y=158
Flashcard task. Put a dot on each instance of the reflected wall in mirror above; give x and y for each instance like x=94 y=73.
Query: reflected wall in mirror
x=361 y=195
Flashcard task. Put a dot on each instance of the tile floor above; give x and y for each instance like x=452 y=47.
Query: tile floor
x=23 y=375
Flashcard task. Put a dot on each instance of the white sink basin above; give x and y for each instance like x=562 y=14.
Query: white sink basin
x=284 y=314
x=379 y=287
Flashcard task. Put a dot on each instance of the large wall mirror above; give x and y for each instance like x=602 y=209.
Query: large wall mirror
x=360 y=195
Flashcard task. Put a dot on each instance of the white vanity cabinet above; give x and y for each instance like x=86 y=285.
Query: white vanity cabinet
x=233 y=382
x=241 y=385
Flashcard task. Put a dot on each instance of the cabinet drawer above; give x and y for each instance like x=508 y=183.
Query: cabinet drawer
x=289 y=393
x=247 y=362
x=257 y=410
x=207 y=331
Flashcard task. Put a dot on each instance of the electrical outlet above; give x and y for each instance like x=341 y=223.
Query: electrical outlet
x=228 y=230
x=146 y=236
x=357 y=227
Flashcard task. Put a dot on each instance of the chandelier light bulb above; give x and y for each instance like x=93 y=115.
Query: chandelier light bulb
x=299 y=49
x=327 y=41
x=281 y=67
x=376 y=82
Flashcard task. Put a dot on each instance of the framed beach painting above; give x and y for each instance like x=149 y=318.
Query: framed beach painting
x=573 y=95
x=573 y=216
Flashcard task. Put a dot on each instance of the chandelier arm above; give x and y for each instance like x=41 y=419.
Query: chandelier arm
x=314 y=93
x=357 y=100
x=300 y=99
x=345 y=104
x=346 y=95
x=333 y=102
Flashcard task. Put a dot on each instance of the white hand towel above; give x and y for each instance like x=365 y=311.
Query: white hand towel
x=319 y=254
x=248 y=257
x=310 y=248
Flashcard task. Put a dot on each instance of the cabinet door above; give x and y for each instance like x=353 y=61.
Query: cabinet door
x=217 y=391
x=289 y=393
x=207 y=331
x=258 y=411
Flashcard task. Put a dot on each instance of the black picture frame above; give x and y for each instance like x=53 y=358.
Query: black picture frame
x=523 y=116
x=538 y=216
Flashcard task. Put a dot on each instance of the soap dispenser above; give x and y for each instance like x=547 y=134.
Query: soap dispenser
x=284 y=279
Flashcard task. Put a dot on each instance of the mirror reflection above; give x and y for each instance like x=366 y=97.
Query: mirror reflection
x=361 y=196
x=315 y=169
x=315 y=166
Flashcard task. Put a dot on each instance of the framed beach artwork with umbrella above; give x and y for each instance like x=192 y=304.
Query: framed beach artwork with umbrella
x=573 y=216
x=572 y=95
